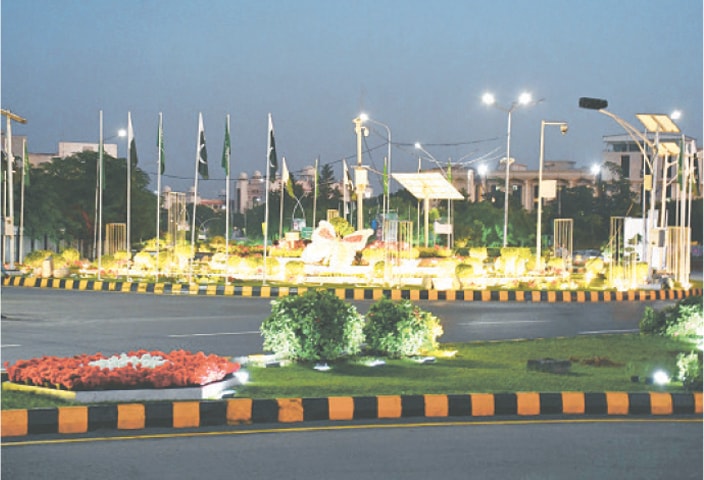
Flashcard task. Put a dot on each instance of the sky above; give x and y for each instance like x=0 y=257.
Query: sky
x=416 y=66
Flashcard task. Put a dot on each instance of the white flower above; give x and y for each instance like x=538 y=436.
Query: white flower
x=123 y=360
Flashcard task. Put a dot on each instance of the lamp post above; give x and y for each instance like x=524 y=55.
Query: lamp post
x=359 y=172
x=538 y=242
x=365 y=118
x=10 y=218
x=654 y=123
x=524 y=98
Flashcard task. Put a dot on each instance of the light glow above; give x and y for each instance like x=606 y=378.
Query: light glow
x=525 y=98
x=488 y=99
x=660 y=377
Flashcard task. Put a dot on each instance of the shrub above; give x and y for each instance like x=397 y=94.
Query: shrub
x=313 y=326
x=400 y=328
x=689 y=366
x=689 y=324
x=35 y=258
x=294 y=269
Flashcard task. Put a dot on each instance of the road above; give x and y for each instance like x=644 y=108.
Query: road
x=604 y=449
x=40 y=322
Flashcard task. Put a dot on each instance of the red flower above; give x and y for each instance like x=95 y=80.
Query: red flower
x=180 y=369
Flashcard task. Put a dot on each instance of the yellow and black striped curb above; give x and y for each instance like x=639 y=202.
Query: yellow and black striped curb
x=237 y=411
x=264 y=291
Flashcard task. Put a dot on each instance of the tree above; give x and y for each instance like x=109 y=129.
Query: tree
x=60 y=202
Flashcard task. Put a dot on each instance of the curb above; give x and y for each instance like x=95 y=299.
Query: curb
x=264 y=291
x=237 y=411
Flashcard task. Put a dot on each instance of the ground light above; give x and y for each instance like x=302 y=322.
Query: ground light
x=660 y=377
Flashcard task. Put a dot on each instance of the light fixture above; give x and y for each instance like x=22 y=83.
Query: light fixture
x=660 y=377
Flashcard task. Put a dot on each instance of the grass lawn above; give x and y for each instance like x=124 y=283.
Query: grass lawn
x=599 y=363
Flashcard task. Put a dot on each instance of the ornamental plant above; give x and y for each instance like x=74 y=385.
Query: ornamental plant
x=138 y=369
x=689 y=367
x=399 y=329
x=314 y=326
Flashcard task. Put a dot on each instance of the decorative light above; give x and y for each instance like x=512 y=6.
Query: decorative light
x=660 y=377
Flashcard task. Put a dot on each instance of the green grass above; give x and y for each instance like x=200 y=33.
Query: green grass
x=484 y=367
x=476 y=368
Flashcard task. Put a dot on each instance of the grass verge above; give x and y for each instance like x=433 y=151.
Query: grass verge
x=599 y=363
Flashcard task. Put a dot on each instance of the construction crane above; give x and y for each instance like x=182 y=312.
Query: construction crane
x=9 y=230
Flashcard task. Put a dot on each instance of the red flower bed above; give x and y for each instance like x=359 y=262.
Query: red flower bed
x=178 y=368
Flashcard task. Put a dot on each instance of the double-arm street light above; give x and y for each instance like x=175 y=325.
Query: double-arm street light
x=524 y=98
x=655 y=124
x=538 y=242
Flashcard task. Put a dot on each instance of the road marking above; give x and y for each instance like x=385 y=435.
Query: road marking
x=8 y=345
x=251 y=332
x=364 y=426
x=504 y=322
x=598 y=332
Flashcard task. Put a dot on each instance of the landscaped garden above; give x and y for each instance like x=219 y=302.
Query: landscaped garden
x=322 y=346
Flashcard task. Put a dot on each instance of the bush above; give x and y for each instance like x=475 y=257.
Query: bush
x=35 y=258
x=399 y=329
x=684 y=320
x=689 y=366
x=314 y=326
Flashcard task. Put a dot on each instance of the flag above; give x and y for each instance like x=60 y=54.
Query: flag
x=385 y=178
x=315 y=179
x=132 y=154
x=25 y=164
x=286 y=179
x=226 y=148
x=680 y=165
x=271 y=151
x=347 y=185
x=101 y=159
x=449 y=171
x=202 y=152
x=694 y=172
x=160 y=145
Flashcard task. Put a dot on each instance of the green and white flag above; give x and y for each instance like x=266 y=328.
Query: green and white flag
x=202 y=151
x=226 y=149
x=272 y=162
x=25 y=163
x=160 y=146
x=132 y=154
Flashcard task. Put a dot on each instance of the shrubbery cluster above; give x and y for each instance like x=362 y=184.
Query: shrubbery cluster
x=319 y=326
x=684 y=321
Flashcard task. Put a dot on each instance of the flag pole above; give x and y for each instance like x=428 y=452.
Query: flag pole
x=130 y=136
x=195 y=196
x=266 y=196
x=159 y=160
x=281 y=206
x=226 y=164
x=315 y=190
x=24 y=179
x=100 y=196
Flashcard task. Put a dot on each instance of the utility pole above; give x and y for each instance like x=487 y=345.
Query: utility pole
x=10 y=218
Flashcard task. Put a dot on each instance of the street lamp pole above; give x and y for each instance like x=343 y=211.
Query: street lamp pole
x=359 y=173
x=524 y=99
x=539 y=223
x=365 y=118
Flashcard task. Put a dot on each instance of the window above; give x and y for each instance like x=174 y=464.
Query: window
x=626 y=165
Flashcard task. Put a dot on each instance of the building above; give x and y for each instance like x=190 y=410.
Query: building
x=524 y=182
x=627 y=155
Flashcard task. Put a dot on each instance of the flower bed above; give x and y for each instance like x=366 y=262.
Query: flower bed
x=132 y=370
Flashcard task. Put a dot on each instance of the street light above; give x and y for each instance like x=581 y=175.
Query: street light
x=538 y=243
x=653 y=123
x=360 y=174
x=524 y=98
x=365 y=118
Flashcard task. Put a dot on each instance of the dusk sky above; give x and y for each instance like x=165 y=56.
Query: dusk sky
x=420 y=67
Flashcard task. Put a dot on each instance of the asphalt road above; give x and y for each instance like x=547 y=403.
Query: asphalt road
x=38 y=322
x=609 y=449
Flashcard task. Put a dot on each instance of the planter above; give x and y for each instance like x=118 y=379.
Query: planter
x=210 y=391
